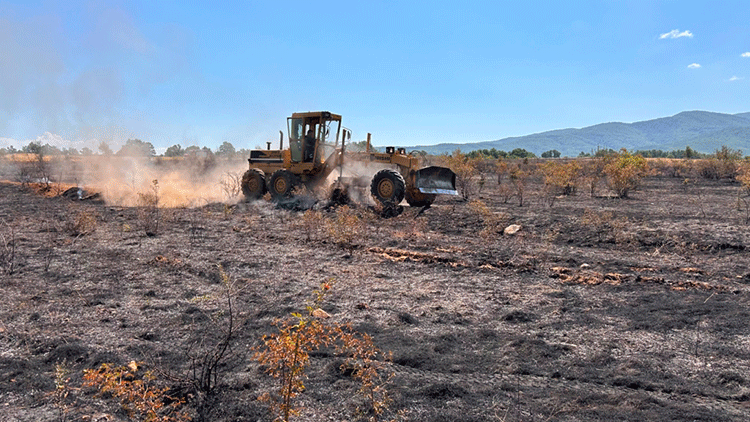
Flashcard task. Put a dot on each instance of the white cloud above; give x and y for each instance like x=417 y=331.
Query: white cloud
x=745 y=54
x=6 y=142
x=694 y=66
x=52 y=139
x=735 y=78
x=675 y=33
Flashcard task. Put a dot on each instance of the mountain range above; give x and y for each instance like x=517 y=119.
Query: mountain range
x=703 y=131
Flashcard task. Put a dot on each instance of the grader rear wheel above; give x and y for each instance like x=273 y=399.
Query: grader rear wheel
x=253 y=184
x=282 y=184
x=388 y=187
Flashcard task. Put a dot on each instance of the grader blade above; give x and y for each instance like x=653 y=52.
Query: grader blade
x=436 y=180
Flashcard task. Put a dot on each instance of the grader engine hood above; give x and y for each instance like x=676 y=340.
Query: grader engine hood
x=436 y=180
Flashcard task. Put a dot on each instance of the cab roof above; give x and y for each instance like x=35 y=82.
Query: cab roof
x=323 y=114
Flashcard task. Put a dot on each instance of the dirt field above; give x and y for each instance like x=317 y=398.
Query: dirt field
x=597 y=309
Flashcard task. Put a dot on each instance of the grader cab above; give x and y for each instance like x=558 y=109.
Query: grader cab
x=317 y=148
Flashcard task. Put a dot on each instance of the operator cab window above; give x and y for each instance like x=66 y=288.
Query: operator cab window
x=296 y=129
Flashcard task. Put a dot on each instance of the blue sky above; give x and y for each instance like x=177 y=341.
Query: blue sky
x=409 y=72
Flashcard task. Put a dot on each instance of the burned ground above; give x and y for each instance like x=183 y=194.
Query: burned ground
x=597 y=309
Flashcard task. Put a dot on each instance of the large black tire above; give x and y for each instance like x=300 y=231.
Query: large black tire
x=253 y=184
x=415 y=198
x=282 y=184
x=388 y=187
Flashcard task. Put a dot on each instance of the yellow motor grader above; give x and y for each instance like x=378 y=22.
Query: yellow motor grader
x=317 y=148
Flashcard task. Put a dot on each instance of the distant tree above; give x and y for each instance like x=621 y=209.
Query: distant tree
x=33 y=148
x=727 y=154
x=604 y=152
x=584 y=155
x=51 y=150
x=521 y=153
x=86 y=151
x=652 y=153
x=191 y=150
x=487 y=153
x=174 y=151
x=137 y=148
x=70 y=151
x=226 y=149
x=553 y=153
x=11 y=149
x=104 y=149
x=360 y=146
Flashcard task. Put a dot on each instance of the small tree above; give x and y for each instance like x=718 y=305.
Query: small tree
x=520 y=153
x=561 y=179
x=191 y=150
x=624 y=172
x=286 y=354
x=104 y=149
x=518 y=177
x=174 y=151
x=40 y=169
x=226 y=149
x=466 y=169
x=137 y=148
x=743 y=194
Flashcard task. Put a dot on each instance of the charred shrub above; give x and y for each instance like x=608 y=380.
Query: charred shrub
x=231 y=184
x=8 y=258
x=513 y=178
x=148 y=209
x=492 y=222
x=724 y=164
x=606 y=226
x=624 y=172
x=311 y=224
x=81 y=222
x=345 y=228
x=466 y=170
x=593 y=173
x=560 y=178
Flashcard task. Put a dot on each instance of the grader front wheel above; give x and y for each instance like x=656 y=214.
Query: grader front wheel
x=388 y=187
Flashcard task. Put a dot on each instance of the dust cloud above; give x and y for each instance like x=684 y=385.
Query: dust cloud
x=188 y=181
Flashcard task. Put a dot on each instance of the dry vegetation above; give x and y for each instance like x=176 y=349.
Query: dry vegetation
x=623 y=296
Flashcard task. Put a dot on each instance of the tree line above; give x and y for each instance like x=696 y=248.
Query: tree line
x=131 y=148
x=137 y=147
x=599 y=152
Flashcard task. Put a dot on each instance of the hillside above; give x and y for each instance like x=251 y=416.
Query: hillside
x=702 y=130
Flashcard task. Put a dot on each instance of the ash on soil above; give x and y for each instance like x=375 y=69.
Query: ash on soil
x=638 y=314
